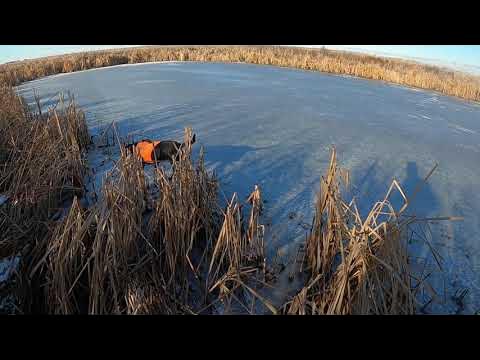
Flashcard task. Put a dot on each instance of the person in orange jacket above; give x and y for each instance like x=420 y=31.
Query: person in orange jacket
x=151 y=151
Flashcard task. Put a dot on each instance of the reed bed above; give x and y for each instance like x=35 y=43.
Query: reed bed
x=90 y=262
x=42 y=163
x=42 y=169
x=139 y=251
x=397 y=71
x=184 y=223
x=66 y=258
x=238 y=265
x=116 y=243
x=187 y=231
x=357 y=265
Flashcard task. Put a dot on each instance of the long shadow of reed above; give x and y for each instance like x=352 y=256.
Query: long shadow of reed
x=372 y=186
x=424 y=203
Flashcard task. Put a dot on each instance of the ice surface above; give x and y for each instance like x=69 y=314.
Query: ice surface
x=274 y=126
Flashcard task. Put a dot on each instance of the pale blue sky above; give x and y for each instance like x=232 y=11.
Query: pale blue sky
x=463 y=57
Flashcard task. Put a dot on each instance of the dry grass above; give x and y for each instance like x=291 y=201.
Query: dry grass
x=238 y=265
x=195 y=249
x=115 y=248
x=337 y=62
x=42 y=164
x=42 y=168
x=184 y=222
x=355 y=265
x=66 y=258
x=117 y=257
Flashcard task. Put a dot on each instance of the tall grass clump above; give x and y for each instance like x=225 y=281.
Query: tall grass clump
x=357 y=265
x=42 y=161
x=188 y=231
x=116 y=245
x=90 y=261
x=42 y=168
x=66 y=259
x=139 y=251
x=237 y=266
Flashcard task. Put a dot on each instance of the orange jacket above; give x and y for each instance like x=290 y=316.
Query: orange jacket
x=144 y=149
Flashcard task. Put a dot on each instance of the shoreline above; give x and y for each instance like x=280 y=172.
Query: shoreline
x=386 y=82
x=335 y=62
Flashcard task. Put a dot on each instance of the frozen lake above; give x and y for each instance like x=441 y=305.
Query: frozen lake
x=274 y=127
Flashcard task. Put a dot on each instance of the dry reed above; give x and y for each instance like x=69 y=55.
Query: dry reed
x=355 y=265
x=42 y=168
x=42 y=163
x=115 y=246
x=118 y=258
x=397 y=71
x=67 y=257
